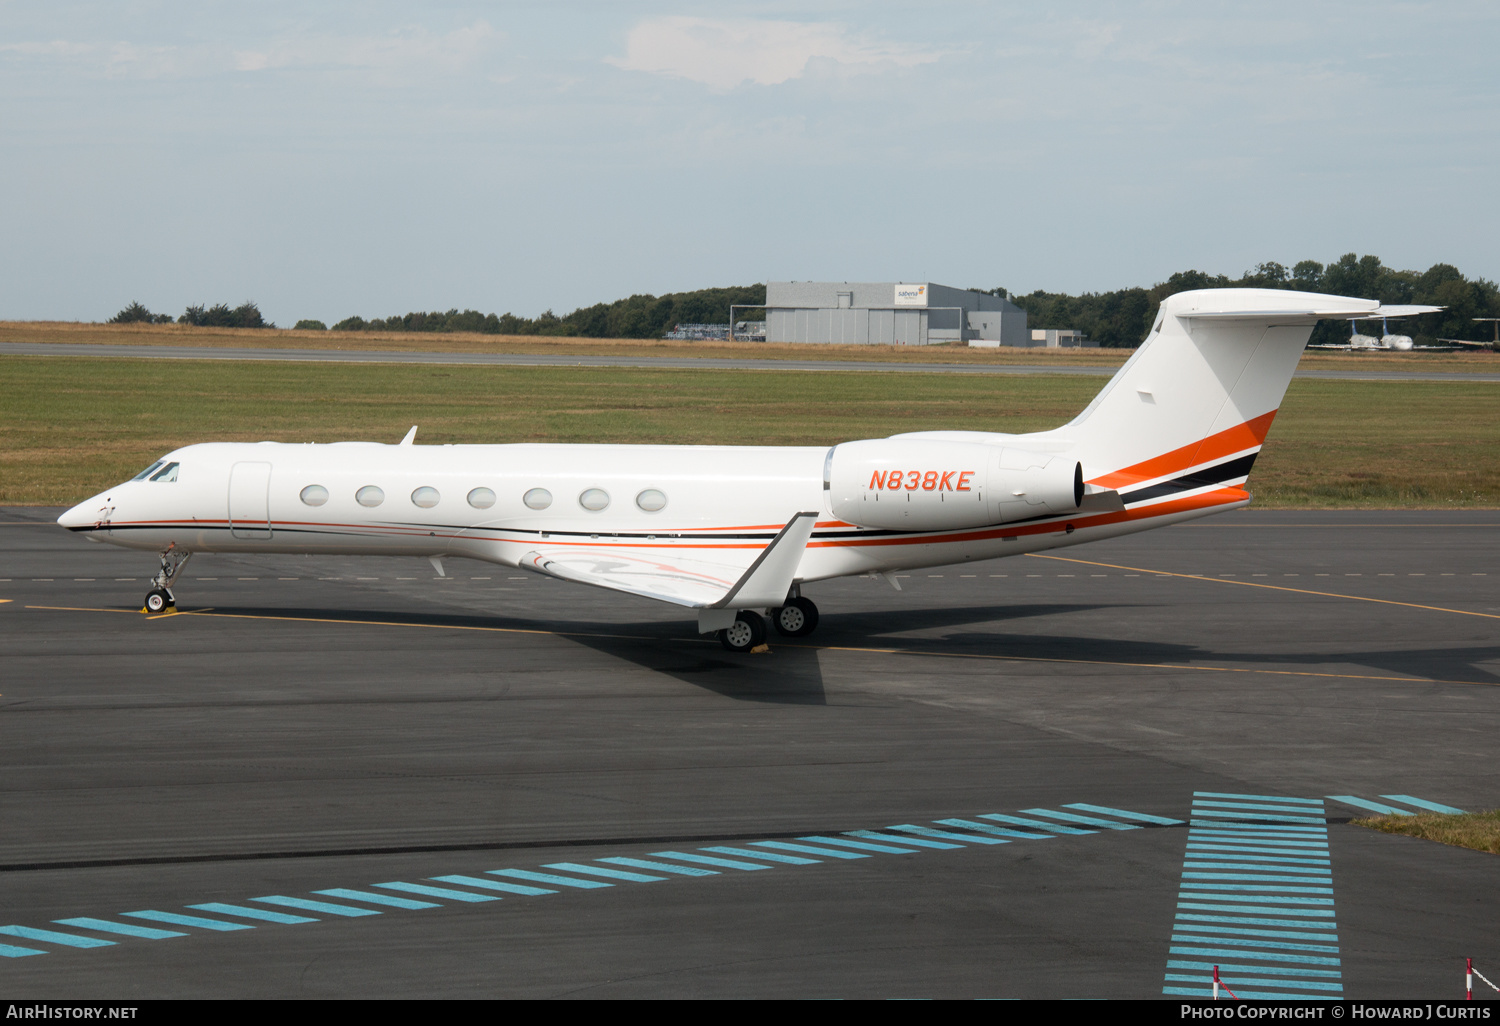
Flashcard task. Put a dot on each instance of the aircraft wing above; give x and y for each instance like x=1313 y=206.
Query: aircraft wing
x=693 y=577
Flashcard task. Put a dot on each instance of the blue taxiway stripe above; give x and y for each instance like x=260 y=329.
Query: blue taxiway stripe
x=263 y=914
x=123 y=929
x=67 y=940
x=435 y=892
x=389 y=900
x=177 y=919
x=751 y=855
x=1255 y=923
x=326 y=907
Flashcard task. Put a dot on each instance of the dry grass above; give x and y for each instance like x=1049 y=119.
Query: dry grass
x=70 y=427
x=1477 y=830
x=66 y=332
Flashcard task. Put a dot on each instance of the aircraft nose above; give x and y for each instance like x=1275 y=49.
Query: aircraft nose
x=86 y=514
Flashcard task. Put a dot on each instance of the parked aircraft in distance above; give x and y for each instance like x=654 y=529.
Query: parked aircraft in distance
x=735 y=533
x=1493 y=346
x=1388 y=341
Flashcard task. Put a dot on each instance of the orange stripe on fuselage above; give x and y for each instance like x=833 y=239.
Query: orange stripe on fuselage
x=1204 y=500
x=1232 y=440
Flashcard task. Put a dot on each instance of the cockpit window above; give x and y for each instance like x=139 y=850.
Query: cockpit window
x=167 y=473
x=147 y=472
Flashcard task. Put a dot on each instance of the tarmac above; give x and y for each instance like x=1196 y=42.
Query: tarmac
x=324 y=739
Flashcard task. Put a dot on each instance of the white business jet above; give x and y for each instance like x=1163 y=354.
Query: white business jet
x=736 y=532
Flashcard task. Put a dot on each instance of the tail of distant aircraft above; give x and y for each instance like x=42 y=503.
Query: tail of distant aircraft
x=1194 y=403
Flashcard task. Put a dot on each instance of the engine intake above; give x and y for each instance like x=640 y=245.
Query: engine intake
x=929 y=485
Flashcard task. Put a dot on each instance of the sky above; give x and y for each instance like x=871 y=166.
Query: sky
x=373 y=158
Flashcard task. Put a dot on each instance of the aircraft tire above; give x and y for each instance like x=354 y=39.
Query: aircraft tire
x=797 y=619
x=747 y=631
x=157 y=601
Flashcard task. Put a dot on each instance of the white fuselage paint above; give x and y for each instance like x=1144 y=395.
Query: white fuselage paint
x=717 y=497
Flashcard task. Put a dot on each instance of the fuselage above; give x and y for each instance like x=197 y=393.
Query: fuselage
x=499 y=502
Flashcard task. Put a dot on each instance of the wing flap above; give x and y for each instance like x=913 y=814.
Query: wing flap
x=750 y=578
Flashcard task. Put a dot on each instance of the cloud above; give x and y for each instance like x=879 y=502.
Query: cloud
x=411 y=47
x=722 y=53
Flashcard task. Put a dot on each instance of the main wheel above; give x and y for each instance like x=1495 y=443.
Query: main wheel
x=747 y=631
x=797 y=619
x=157 y=600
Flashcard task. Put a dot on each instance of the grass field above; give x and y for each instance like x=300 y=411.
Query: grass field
x=70 y=427
x=1477 y=830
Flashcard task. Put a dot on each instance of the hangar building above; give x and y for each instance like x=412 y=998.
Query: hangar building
x=889 y=313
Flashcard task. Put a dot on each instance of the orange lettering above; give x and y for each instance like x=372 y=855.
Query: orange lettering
x=963 y=480
x=894 y=481
x=946 y=484
x=929 y=480
x=877 y=480
x=916 y=479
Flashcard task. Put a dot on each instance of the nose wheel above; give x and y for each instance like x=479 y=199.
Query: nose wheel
x=160 y=596
x=797 y=619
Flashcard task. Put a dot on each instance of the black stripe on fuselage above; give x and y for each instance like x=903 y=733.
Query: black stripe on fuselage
x=1207 y=476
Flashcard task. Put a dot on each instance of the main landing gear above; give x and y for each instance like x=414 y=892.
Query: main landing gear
x=797 y=619
x=160 y=597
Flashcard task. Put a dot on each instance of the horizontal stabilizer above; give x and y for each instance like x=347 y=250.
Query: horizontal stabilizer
x=1392 y=312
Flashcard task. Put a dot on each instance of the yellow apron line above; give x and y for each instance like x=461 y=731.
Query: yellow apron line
x=1273 y=587
x=209 y=612
x=434 y=626
x=810 y=648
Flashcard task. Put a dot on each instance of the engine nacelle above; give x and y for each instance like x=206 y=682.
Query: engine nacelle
x=912 y=484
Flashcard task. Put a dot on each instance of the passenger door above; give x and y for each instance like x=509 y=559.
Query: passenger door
x=250 y=501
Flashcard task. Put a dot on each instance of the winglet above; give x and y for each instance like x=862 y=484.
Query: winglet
x=769 y=578
x=411 y=436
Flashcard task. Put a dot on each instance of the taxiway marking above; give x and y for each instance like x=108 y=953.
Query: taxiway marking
x=210 y=613
x=1273 y=587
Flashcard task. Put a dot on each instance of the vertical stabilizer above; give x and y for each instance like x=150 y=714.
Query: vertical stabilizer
x=1194 y=403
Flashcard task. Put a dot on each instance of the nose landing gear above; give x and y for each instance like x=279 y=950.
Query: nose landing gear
x=160 y=596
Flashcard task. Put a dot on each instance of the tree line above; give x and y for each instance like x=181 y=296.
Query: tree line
x=640 y=316
x=1118 y=318
x=246 y=315
x=1123 y=317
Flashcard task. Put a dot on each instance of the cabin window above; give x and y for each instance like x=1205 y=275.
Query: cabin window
x=165 y=474
x=426 y=497
x=481 y=498
x=147 y=472
x=369 y=495
x=313 y=495
x=537 y=498
x=651 y=500
x=594 y=499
